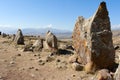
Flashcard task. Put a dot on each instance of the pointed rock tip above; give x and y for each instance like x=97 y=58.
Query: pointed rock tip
x=102 y=6
x=102 y=10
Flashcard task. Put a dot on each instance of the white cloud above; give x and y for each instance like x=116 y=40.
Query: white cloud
x=116 y=26
x=49 y=26
x=5 y=26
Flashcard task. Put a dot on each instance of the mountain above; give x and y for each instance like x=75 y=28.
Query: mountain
x=40 y=31
x=43 y=31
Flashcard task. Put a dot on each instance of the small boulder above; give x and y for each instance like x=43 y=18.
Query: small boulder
x=50 y=58
x=103 y=75
x=28 y=47
x=72 y=59
x=116 y=47
x=76 y=66
x=38 y=45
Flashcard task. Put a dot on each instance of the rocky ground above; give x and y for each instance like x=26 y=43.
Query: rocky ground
x=18 y=65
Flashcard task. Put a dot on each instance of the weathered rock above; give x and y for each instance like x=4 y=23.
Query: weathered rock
x=76 y=66
x=51 y=41
x=61 y=65
x=64 y=46
x=4 y=35
x=50 y=58
x=19 y=38
x=92 y=40
x=13 y=37
x=72 y=59
x=116 y=47
x=117 y=73
x=38 y=45
x=103 y=75
x=28 y=47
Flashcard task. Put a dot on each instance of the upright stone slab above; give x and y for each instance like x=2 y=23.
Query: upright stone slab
x=92 y=40
x=19 y=38
x=38 y=45
x=51 y=41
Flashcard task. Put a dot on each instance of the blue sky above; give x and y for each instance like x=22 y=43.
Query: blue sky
x=60 y=14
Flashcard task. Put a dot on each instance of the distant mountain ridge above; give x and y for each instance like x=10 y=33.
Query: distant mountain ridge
x=40 y=31
x=43 y=31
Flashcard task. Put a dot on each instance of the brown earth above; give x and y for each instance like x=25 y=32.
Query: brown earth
x=18 y=65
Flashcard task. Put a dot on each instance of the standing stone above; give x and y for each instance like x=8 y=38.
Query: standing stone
x=0 y=33
x=19 y=38
x=4 y=35
x=38 y=45
x=13 y=37
x=51 y=41
x=92 y=40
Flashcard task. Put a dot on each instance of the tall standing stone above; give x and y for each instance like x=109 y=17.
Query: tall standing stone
x=19 y=38
x=51 y=41
x=92 y=40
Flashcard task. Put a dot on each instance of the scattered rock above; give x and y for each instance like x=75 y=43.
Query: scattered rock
x=61 y=65
x=36 y=69
x=12 y=62
x=38 y=45
x=38 y=54
x=116 y=47
x=5 y=60
x=28 y=47
x=103 y=75
x=73 y=75
x=31 y=67
x=92 y=39
x=18 y=54
x=50 y=58
x=41 y=62
x=72 y=59
x=35 y=55
x=58 y=60
x=77 y=66
x=32 y=75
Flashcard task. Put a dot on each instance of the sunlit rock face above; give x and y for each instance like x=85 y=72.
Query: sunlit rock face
x=92 y=40
x=51 y=41
x=19 y=38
